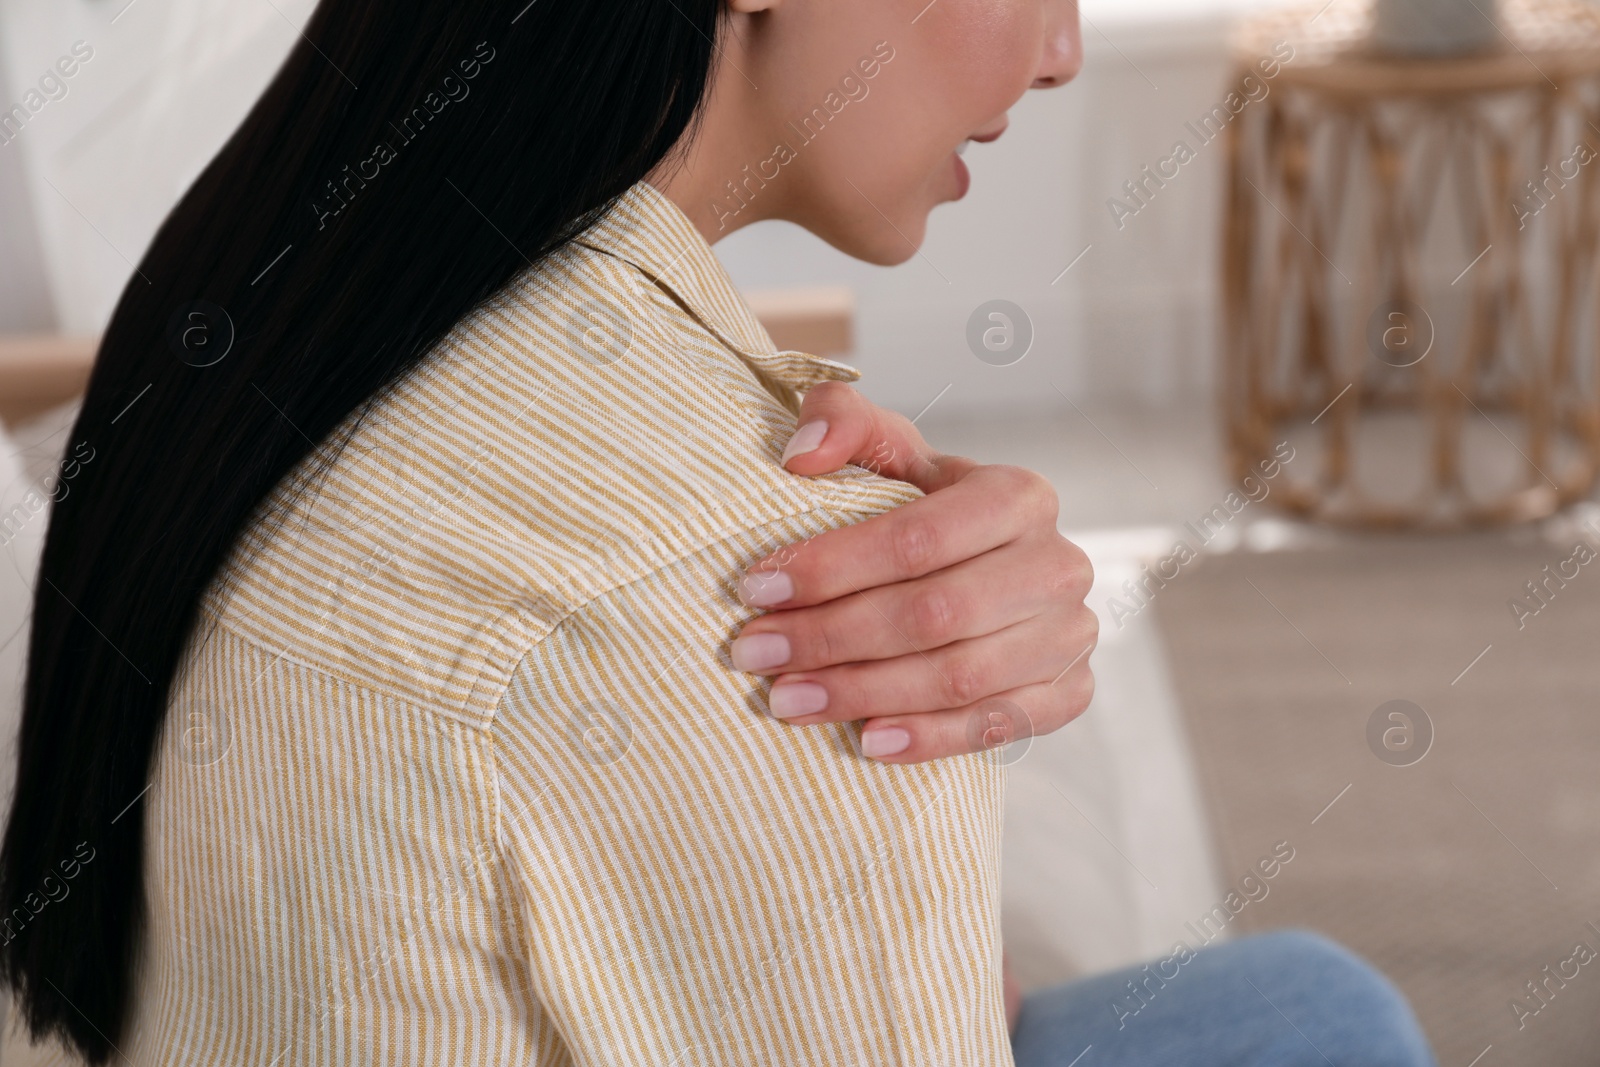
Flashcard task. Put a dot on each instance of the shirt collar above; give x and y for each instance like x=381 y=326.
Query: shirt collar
x=649 y=231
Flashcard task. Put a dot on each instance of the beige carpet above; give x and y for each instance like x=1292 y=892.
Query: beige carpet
x=1463 y=875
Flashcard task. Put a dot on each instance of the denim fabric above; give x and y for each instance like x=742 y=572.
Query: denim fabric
x=1287 y=999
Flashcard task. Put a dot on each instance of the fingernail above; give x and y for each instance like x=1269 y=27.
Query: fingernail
x=762 y=589
x=807 y=438
x=797 y=698
x=888 y=741
x=759 y=651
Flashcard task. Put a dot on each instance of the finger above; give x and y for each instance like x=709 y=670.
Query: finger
x=956 y=676
x=913 y=540
x=838 y=426
x=909 y=617
x=986 y=726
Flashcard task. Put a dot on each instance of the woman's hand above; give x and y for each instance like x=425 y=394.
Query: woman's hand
x=952 y=624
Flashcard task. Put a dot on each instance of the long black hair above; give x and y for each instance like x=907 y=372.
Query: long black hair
x=410 y=157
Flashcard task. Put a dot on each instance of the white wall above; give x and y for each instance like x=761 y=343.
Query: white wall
x=25 y=300
x=171 y=78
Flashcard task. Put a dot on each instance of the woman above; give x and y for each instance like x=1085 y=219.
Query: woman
x=381 y=704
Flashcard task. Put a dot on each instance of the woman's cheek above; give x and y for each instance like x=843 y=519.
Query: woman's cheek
x=892 y=136
x=1002 y=46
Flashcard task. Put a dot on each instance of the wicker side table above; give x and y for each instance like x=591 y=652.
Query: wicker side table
x=1411 y=252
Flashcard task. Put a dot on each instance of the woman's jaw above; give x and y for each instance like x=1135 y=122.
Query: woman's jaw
x=849 y=119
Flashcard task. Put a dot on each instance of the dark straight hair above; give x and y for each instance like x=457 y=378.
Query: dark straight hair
x=408 y=160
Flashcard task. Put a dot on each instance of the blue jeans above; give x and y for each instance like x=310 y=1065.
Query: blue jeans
x=1290 y=999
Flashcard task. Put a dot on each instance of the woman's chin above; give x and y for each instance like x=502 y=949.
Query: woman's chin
x=888 y=244
x=902 y=244
x=888 y=255
x=889 y=232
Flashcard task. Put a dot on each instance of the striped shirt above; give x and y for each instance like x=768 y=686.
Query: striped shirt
x=458 y=771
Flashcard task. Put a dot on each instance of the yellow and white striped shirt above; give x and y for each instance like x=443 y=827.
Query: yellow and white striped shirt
x=458 y=770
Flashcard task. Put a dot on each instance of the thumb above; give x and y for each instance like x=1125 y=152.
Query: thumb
x=838 y=426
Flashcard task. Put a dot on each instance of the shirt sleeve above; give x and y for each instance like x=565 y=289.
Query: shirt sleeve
x=701 y=884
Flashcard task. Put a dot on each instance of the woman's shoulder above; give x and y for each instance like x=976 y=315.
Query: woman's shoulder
x=582 y=429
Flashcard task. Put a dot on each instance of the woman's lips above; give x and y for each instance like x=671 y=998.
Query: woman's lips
x=992 y=135
x=963 y=175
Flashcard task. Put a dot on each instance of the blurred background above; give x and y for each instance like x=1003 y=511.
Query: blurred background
x=1295 y=305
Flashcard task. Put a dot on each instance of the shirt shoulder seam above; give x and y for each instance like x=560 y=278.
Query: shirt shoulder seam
x=823 y=502
x=818 y=500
